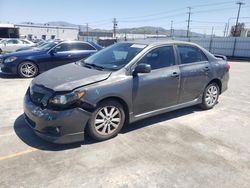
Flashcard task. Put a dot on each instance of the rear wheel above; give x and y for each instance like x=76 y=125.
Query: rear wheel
x=210 y=96
x=106 y=121
x=27 y=69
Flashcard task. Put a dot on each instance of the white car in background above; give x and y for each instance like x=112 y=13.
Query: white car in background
x=11 y=45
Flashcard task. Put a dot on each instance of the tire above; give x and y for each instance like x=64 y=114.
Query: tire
x=102 y=126
x=210 y=96
x=27 y=69
x=1 y=51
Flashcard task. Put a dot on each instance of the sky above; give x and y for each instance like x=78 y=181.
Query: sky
x=129 y=13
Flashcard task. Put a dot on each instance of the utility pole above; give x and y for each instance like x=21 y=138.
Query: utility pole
x=87 y=31
x=238 y=15
x=211 y=39
x=114 y=27
x=225 y=30
x=212 y=33
x=188 y=26
x=171 y=30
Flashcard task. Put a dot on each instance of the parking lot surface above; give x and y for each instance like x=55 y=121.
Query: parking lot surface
x=184 y=148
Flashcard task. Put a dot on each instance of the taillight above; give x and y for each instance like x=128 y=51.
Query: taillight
x=228 y=67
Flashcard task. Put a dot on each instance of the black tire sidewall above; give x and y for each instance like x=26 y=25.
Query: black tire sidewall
x=204 y=104
x=91 y=126
x=19 y=69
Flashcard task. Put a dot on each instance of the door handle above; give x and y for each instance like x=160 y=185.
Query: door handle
x=175 y=75
x=206 y=69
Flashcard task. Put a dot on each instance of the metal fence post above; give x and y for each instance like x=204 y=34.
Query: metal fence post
x=235 y=41
x=210 y=44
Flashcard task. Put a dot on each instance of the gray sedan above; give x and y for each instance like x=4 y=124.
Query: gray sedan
x=123 y=83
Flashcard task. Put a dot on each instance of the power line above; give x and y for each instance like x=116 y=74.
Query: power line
x=150 y=15
x=213 y=4
x=152 y=19
x=219 y=10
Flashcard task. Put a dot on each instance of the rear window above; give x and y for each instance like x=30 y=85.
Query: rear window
x=190 y=54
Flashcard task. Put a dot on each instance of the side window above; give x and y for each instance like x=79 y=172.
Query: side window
x=190 y=54
x=82 y=46
x=12 y=42
x=25 y=42
x=63 y=47
x=160 y=57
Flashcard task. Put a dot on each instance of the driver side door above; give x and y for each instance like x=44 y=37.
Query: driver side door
x=158 y=89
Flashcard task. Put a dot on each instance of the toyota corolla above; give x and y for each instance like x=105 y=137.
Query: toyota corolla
x=121 y=84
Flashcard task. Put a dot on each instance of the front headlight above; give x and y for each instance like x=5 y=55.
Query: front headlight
x=67 y=99
x=10 y=59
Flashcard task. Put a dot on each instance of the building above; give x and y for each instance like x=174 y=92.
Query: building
x=94 y=35
x=8 y=31
x=35 y=31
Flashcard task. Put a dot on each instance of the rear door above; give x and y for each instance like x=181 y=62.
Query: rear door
x=195 y=69
x=159 y=88
x=81 y=50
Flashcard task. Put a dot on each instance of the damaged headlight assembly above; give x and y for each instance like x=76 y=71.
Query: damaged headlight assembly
x=68 y=99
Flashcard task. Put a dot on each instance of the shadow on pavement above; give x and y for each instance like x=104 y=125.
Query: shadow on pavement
x=8 y=76
x=26 y=134
x=159 y=118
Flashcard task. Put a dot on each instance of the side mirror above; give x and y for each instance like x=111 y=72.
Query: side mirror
x=142 y=68
x=52 y=52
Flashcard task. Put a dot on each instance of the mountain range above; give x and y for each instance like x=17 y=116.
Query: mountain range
x=134 y=30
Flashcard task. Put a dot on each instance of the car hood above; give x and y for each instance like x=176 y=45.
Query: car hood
x=70 y=76
x=24 y=53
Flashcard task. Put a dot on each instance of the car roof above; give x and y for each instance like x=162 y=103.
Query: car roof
x=73 y=41
x=161 y=42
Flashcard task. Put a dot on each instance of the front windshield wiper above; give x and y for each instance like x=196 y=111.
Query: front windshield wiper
x=93 y=66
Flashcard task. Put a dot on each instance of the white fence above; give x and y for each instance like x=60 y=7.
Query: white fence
x=228 y=46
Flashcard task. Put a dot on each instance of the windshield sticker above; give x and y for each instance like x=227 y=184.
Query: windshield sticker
x=138 y=46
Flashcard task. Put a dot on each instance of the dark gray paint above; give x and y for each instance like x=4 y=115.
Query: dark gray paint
x=144 y=95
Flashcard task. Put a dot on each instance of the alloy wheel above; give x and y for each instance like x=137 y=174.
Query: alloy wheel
x=211 y=95
x=28 y=70
x=107 y=120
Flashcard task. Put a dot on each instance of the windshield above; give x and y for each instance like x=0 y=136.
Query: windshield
x=116 y=56
x=47 y=46
x=2 y=41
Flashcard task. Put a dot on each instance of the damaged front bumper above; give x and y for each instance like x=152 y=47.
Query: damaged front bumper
x=59 y=127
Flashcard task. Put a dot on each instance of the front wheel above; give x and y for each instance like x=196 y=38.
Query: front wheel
x=210 y=96
x=27 y=69
x=106 y=121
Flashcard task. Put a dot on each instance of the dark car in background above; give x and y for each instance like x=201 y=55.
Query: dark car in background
x=120 y=84
x=28 y=64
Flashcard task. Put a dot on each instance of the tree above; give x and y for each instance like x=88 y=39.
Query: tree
x=240 y=28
